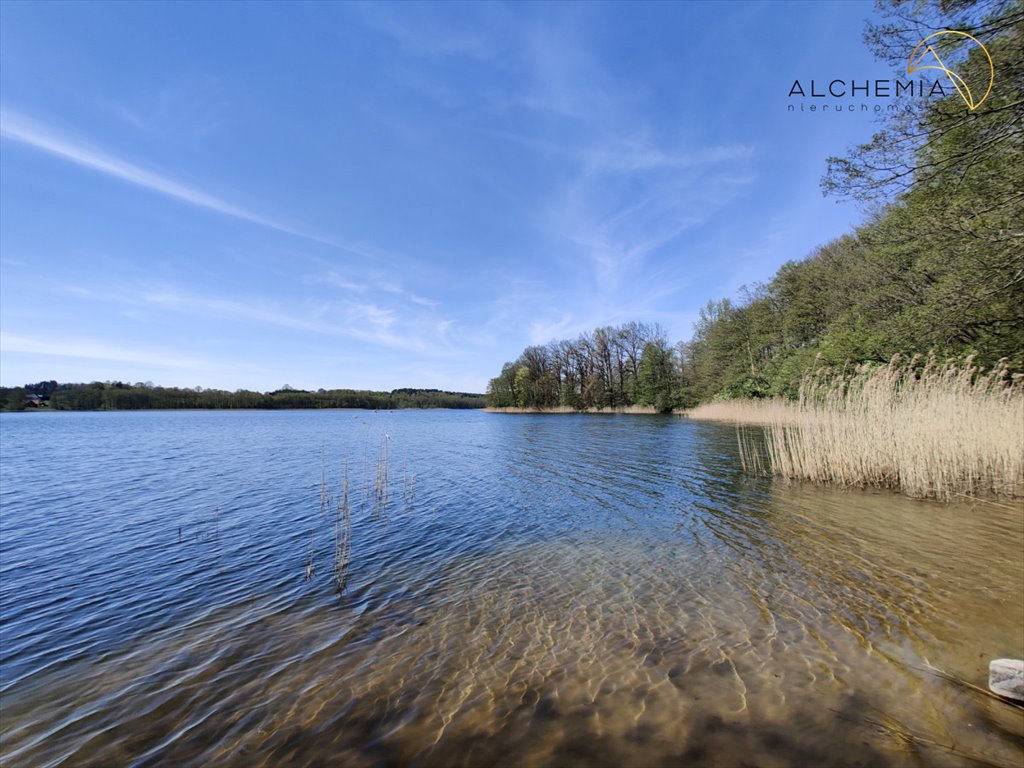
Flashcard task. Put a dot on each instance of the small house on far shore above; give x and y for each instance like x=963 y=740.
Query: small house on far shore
x=34 y=401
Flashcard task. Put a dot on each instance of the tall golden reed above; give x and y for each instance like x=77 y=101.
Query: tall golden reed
x=931 y=429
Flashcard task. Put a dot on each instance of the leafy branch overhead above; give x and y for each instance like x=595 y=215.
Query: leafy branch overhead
x=940 y=142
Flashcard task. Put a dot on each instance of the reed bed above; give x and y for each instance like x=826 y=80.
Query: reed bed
x=767 y=411
x=930 y=429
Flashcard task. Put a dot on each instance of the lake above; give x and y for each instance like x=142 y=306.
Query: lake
x=522 y=591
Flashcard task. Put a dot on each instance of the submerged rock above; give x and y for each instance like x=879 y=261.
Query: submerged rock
x=1006 y=678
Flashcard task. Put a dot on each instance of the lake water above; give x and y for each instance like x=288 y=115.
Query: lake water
x=533 y=591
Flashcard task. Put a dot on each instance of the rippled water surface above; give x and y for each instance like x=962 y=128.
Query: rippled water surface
x=534 y=591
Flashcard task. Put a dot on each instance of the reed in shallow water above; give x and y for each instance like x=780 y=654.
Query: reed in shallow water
x=930 y=429
x=381 y=484
x=342 y=537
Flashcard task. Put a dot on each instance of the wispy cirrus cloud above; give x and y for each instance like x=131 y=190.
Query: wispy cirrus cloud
x=379 y=283
x=630 y=198
x=636 y=155
x=432 y=31
x=248 y=311
x=629 y=190
x=96 y=349
x=340 y=281
x=362 y=320
x=17 y=127
x=186 y=105
x=398 y=290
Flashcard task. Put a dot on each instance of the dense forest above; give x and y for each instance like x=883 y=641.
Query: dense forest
x=120 y=396
x=938 y=266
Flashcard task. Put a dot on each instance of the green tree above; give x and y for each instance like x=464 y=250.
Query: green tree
x=524 y=390
x=950 y=247
x=655 y=376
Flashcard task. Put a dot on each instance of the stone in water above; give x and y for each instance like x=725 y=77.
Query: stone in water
x=1006 y=678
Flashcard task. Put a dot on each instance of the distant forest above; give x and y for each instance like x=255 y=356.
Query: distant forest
x=118 y=396
x=938 y=266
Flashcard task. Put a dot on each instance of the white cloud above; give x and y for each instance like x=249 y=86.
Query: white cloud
x=362 y=320
x=379 y=283
x=425 y=31
x=629 y=198
x=93 y=349
x=541 y=332
x=339 y=281
x=24 y=130
x=398 y=290
x=227 y=308
x=632 y=156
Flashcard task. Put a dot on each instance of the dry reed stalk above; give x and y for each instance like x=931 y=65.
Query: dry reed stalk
x=342 y=537
x=366 y=470
x=382 y=470
x=970 y=686
x=323 y=488
x=752 y=454
x=931 y=429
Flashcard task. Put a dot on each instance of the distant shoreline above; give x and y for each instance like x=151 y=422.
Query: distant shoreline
x=236 y=409
x=121 y=396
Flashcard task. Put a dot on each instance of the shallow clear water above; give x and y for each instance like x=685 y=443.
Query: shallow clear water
x=535 y=590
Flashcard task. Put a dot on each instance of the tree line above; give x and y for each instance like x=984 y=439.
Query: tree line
x=607 y=368
x=118 y=396
x=938 y=266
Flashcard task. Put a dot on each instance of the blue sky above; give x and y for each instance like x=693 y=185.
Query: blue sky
x=386 y=195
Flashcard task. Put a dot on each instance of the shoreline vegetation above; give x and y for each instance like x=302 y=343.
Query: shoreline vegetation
x=121 y=396
x=925 y=428
x=928 y=429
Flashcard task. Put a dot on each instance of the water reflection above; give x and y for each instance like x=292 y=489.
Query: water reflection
x=563 y=591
